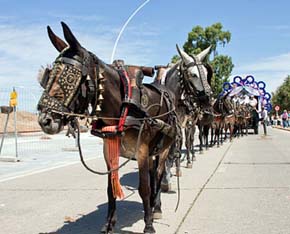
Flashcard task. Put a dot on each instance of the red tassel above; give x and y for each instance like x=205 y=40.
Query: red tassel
x=113 y=146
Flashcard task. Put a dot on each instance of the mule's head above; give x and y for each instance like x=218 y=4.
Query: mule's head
x=197 y=76
x=69 y=86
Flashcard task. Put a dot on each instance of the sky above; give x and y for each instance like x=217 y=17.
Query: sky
x=259 y=46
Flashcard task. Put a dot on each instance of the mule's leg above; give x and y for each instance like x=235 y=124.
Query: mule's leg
x=111 y=215
x=188 y=146
x=159 y=171
x=200 y=139
x=221 y=134
x=144 y=187
x=226 y=129
x=206 y=132
x=153 y=181
x=165 y=182
x=218 y=136
x=192 y=144
x=231 y=132
x=213 y=136
x=155 y=198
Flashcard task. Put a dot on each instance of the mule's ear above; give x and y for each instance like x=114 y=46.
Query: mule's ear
x=58 y=43
x=184 y=56
x=69 y=37
x=203 y=53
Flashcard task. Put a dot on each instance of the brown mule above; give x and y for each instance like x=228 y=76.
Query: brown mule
x=80 y=84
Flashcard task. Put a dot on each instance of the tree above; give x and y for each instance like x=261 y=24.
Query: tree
x=222 y=68
x=199 y=39
x=281 y=96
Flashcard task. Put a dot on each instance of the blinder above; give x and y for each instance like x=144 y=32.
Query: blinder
x=69 y=73
x=44 y=79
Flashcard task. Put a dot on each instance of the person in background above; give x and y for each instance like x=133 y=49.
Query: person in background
x=255 y=120
x=288 y=118
x=284 y=119
x=263 y=119
x=253 y=101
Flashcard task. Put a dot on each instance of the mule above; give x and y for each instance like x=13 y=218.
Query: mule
x=222 y=109
x=81 y=84
x=243 y=116
x=189 y=79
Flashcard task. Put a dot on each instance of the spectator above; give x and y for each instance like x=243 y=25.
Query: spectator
x=288 y=118
x=255 y=120
x=264 y=119
x=253 y=101
x=285 y=119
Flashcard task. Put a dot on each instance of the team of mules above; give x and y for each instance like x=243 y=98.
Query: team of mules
x=137 y=121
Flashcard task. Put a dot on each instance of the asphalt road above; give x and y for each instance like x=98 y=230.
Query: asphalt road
x=241 y=187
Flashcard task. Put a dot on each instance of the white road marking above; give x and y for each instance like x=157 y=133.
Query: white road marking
x=33 y=172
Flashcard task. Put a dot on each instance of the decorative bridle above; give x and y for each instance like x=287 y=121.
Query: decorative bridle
x=192 y=98
x=71 y=74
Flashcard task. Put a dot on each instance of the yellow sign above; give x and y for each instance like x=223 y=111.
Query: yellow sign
x=13 y=98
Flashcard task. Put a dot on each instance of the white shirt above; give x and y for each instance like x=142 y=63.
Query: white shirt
x=253 y=102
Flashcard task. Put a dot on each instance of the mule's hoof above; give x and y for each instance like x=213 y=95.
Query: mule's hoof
x=189 y=165
x=165 y=187
x=149 y=229
x=157 y=215
x=105 y=229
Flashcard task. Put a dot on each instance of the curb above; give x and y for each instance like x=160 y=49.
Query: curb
x=278 y=127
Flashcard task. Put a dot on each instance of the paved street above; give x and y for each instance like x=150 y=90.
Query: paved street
x=241 y=187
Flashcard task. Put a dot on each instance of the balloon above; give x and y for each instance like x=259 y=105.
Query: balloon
x=227 y=86
x=237 y=79
x=261 y=85
x=267 y=96
x=249 y=79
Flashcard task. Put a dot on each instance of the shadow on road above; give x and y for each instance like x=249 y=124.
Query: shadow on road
x=128 y=213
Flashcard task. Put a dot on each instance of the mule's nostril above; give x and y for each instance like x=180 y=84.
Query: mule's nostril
x=46 y=122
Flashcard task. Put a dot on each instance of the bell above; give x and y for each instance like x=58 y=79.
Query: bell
x=100 y=98
x=101 y=76
x=101 y=87
x=98 y=108
x=88 y=77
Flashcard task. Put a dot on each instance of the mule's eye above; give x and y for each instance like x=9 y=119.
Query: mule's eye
x=192 y=71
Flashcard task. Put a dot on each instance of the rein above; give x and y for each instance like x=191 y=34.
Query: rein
x=96 y=117
x=77 y=129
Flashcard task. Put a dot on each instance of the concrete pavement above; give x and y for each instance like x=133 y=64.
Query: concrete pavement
x=241 y=187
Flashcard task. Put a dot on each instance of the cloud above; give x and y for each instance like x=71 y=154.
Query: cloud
x=25 y=47
x=276 y=63
x=272 y=70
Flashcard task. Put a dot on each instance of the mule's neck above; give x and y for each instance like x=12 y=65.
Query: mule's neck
x=111 y=105
x=173 y=82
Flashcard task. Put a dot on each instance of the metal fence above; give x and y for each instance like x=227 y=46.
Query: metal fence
x=24 y=136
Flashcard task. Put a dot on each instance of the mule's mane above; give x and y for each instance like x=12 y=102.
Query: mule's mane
x=172 y=70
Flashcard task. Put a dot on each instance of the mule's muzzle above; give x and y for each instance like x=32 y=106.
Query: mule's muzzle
x=49 y=124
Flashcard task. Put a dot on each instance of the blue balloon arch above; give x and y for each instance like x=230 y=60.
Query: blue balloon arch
x=249 y=86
